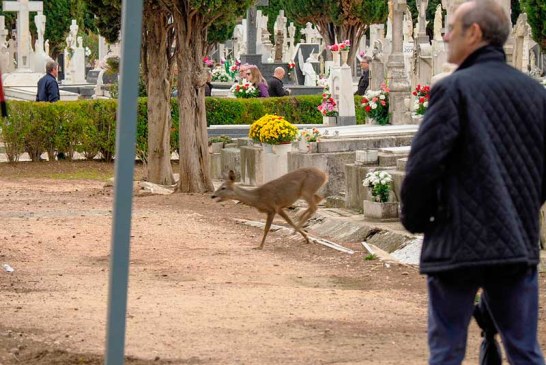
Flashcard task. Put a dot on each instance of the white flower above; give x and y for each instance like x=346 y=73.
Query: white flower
x=373 y=105
x=425 y=104
x=382 y=97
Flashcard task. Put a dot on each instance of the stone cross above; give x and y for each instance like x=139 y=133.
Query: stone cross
x=23 y=8
x=308 y=32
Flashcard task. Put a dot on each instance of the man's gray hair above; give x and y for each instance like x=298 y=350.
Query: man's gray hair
x=50 y=66
x=492 y=20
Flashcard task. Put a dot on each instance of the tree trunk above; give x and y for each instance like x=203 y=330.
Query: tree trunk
x=194 y=157
x=158 y=69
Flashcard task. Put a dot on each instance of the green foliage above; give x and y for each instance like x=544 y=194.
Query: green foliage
x=371 y=257
x=295 y=109
x=334 y=17
x=536 y=16
x=221 y=32
x=218 y=139
x=89 y=126
x=107 y=17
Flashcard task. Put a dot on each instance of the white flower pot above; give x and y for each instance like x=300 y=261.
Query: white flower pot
x=380 y=211
x=267 y=148
x=335 y=58
x=344 y=57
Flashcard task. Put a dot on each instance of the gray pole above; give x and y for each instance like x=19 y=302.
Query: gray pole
x=131 y=26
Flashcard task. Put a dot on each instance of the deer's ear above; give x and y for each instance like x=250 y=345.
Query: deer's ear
x=231 y=175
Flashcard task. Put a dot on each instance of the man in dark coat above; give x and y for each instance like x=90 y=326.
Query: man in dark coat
x=475 y=182
x=48 y=88
x=364 y=80
x=275 y=84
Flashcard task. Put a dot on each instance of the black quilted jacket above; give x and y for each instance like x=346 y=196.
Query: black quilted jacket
x=475 y=178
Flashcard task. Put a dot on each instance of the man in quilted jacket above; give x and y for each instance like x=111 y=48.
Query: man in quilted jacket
x=475 y=182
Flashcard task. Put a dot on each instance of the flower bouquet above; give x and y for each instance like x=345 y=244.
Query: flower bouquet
x=291 y=67
x=422 y=96
x=380 y=184
x=328 y=107
x=310 y=135
x=231 y=67
x=244 y=90
x=208 y=62
x=273 y=129
x=376 y=104
x=343 y=46
x=219 y=74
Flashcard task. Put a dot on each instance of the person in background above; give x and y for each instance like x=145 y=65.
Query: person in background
x=242 y=72
x=475 y=182
x=48 y=88
x=276 y=86
x=208 y=84
x=364 y=80
x=254 y=76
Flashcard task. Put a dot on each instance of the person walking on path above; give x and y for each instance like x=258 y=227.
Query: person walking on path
x=475 y=182
x=276 y=86
x=364 y=80
x=48 y=88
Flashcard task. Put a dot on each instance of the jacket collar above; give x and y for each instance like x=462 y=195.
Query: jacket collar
x=484 y=54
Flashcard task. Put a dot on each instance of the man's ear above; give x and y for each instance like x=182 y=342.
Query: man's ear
x=475 y=33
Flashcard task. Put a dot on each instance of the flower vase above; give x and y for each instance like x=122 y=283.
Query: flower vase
x=267 y=148
x=380 y=211
x=335 y=58
x=282 y=149
x=344 y=57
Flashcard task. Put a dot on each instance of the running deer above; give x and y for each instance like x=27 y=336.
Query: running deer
x=272 y=197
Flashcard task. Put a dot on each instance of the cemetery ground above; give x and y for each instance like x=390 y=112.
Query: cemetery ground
x=198 y=291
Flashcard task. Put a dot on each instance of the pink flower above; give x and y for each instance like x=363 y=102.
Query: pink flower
x=334 y=48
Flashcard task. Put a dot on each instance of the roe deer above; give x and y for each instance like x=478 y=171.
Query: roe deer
x=272 y=197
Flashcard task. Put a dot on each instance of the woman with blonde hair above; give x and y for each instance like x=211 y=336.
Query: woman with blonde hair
x=254 y=76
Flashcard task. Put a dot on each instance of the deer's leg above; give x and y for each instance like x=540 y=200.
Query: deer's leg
x=311 y=209
x=268 y=222
x=283 y=214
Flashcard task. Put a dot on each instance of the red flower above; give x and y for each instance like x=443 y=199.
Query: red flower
x=421 y=100
x=368 y=108
x=334 y=47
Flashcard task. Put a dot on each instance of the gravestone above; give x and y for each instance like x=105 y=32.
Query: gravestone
x=400 y=89
x=23 y=9
x=251 y=57
x=306 y=50
x=93 y=76
x=6 y=60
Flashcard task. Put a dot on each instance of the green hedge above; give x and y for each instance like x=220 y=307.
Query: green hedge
x=88 y=126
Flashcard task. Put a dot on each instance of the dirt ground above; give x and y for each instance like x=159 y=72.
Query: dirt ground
x=198 y=292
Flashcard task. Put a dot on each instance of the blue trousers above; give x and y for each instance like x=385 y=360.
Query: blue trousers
x=511 y=294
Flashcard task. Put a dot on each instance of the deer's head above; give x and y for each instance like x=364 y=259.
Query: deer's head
x=225 y=191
